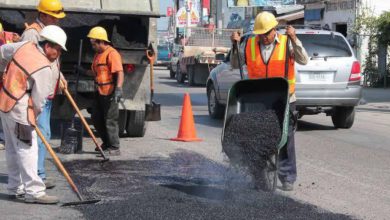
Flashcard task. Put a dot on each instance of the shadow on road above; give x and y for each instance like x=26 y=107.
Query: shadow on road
x=309 y=126
x=206 y=120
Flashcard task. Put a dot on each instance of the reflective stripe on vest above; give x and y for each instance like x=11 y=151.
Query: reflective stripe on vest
x=276 y=66
x=26 y=61
x=104 y=78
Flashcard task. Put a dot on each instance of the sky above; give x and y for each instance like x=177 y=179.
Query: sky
x=162 y=23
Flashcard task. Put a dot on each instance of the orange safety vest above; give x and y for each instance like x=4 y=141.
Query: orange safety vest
x=277 y=65
x=103 y=77
x=38 y=28
x=26 y=61
x=6 y=38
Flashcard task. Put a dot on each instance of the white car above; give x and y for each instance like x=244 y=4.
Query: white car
x=329 y=83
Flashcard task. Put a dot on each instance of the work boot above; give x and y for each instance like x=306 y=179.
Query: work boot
x=45 y=199
x=49 y=183
x=112 y=151
x=287 y=186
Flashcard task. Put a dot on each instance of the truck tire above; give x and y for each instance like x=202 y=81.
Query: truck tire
x=266 y=178
x=191 y=75
x=179 y=75
x=122 y=122
x=343 y=117
x=136 y=125
x=216 y=110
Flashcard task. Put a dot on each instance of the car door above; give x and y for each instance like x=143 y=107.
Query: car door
x=226 y=77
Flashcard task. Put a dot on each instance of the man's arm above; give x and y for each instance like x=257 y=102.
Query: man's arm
x=30 y=35
x=41 y=88
x=296 y=47
x=120 y=78
x=233 y=54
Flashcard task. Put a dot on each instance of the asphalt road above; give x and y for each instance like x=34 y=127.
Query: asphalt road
x=342 y=174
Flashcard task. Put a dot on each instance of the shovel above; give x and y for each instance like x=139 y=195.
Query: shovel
x=152 y=110
x=67 y=94
x=58 y=163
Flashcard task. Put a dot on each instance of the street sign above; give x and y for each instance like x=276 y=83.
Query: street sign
x=181 y=17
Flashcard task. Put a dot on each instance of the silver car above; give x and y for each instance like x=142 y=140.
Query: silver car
x=329 y=83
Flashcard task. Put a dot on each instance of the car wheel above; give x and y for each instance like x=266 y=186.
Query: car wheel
x=179 y=75
x=216 y=110
x=343 y=117
x=191 y=75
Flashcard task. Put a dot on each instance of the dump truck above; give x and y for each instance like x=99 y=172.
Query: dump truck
x=203 y=49
x=132 y=29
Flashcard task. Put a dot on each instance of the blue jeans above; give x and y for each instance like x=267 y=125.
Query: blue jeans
x=287 y=160
x=44 y=126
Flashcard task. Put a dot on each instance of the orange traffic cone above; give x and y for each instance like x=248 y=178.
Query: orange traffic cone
x=187 y=130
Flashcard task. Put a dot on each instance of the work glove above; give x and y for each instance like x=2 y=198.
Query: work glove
x=118 y=95
x=80 y=70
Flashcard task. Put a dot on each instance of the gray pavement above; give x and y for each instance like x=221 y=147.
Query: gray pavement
x=342 y=174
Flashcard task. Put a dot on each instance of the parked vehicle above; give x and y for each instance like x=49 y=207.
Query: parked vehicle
x=177 y=49
x=164 y=54
x=201 y=52
x=116 y=17
x=329 y=83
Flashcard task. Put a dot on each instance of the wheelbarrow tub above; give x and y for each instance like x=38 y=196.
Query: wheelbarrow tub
x=254 y=95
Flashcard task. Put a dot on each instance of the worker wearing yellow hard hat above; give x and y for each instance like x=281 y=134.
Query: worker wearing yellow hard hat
x=98 y=33
x=51 y=7
x=269 y=54
x=49 y=13
x=107 y=69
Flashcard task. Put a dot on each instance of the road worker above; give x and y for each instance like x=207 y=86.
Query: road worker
x=49 y=13
x=265 y=55
x=108 y=71
x=5 y=38
x=26 y=85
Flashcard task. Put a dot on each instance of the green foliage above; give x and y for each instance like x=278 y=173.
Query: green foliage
x=383 y=27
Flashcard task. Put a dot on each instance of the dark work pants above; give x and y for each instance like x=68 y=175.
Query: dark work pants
x=287 y=161
x=105 y=114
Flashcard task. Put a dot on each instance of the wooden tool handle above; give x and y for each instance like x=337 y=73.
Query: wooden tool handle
x=58 y=163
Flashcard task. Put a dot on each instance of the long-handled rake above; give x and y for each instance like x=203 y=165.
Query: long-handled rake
x=65 y=173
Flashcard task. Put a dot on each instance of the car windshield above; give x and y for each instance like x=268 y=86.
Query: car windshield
x=321 y=45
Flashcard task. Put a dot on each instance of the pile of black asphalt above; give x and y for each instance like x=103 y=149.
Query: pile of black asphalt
x=250 y=137
x=185 y=185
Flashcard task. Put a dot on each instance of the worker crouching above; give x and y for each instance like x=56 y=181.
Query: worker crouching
x=26 y=84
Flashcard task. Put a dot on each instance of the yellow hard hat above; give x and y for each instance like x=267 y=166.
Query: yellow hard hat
x=51 y=7
x=1 y=27
x=264 y=22
x=98 y=33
